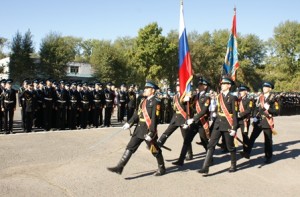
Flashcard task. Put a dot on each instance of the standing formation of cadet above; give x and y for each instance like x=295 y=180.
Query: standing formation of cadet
x=146 y=118
x=62 y=105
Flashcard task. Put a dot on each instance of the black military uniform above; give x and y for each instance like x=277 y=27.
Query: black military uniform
x=226 y=123
x=30 y=104
x=179 y=118
x=245 y=110
x=199 y=123
x=2 y=89
x=97 y=104
x=9 y=105
x=38 y=115
x=131 y=103
x=166 y=108
x=147 y=119
x=74 y=106
x=266 y=108
x=122 y=102
x=85 y=108
x=22 y=101
x=48 y=105
x=109 y=104
x=62 y=104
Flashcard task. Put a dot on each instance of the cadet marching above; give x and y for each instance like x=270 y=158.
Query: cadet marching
x=50 y=105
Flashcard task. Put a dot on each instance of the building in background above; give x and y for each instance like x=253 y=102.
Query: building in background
x=75 y=71
x=4 y=69
x=79 y=71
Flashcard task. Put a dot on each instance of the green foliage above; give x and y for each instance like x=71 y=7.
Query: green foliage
x=149 y=56
x=21 y=64
x=108 y=63
x=3 y=42
x=55 y=52
x=283 y=63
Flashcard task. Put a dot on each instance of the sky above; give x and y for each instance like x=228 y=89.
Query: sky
x=110 y=19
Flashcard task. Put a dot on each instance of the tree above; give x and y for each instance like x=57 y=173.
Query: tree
x=55 y=53
x=86 y=47
x=252 y=52
x=21 y=65
x=171 y=67
x=3 y=42
x=149 y=55
x=283 y=63
x=108 y=63
x=207 y=54
x=27 y=51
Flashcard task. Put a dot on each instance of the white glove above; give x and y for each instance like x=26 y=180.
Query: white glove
x=214 y=114
x=232 y=132
x=126 y=126
x=185 y=126
x=266 y=106
x=255 y=119
x=189 y=121
x=239 y=115
x=148 y=138
x=186 y=98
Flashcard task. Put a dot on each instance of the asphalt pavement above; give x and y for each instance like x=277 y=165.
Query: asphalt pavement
x=74 y=162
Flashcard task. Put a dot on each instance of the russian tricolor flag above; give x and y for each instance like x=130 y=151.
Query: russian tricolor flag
x=185 y=66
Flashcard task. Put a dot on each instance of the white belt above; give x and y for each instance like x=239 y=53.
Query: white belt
x=108 y=100
x=97 y=101
x=61 y=101
x=122 y=100
x=73 y=101
x=48 y=99
x=5 y=101
x=85 y=102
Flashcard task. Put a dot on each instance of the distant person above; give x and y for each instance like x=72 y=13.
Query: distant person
x=9 y=106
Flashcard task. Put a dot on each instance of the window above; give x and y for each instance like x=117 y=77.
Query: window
x=74 y=69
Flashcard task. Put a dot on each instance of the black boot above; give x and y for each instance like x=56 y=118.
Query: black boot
x=125 y=158
x=207 y=161
x=161 y=165
x=161 y=141
x=183 y=152
x=233 y=162
x=245 y=155
x=189 y=155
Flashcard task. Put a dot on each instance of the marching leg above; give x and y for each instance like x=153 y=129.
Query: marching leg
x=189 y=155
x=233 y=162
x=125 y=158
x=161 y=165
x=183 y=152
x=207 y=161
